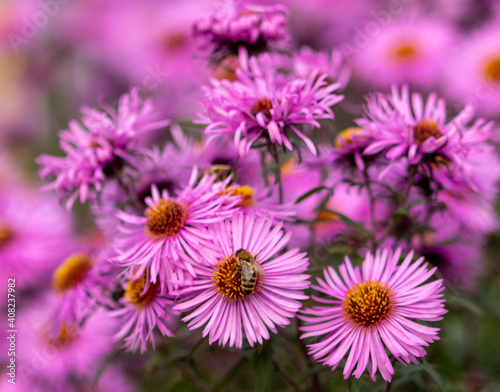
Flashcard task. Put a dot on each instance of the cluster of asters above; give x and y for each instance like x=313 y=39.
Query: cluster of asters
x=212 y=230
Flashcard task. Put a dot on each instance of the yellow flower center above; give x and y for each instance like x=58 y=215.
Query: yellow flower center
x=227 y=280
x=165 y=218
x=72 y=272
x=347 y=136
x=244 y=191
x=66 y=335
x=328 y=216
x=405 y=51
x=6 y=234
x=263 y=105
x=425 y=129
x=367 y=303
x=135 y=292
x=288 y=167
x=491 y=70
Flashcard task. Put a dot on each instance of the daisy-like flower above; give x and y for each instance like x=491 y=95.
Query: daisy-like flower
x=473 y=72
x=401 y=125
x=264 y=105
x=349 y=146
x=101 y=148
x=333 y=64
x=260 y=201
x=410 y=51
x=168 y=238
x=246 y=288
x=53 y=354
x=80 y=283
x=366 y=309
x=254 y=27
x=144 y=309
x=35 y=234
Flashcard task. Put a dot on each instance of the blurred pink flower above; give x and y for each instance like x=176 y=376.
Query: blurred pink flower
x=410 y=50
x=144 y=308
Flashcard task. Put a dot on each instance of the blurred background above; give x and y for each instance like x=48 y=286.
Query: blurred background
x=57 y=55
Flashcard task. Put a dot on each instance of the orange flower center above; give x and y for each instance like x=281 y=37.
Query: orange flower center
x=347 y=136
x=175 y=40
x=135 y=292
x=244 y=191
x=72 y=272
x=425 y=129
x=491 y=70
x=405 y=51
x=263 y=105
x=6 y=234
x=367 y=303
x=66 y=335
x=165 y=218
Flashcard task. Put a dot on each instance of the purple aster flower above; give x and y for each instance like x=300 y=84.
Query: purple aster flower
x=260 y=201
x=53 y=354
x=35 y=234
x=246 y=288
x=403 y=126
x=332 y=63
x=473 y=71
x=410 y=50
x=349 y=146
x=101 y=148
x=80 y=282
x=144 y=309
x=254 y=27
x=168 y=238
x=366 y=309
x=263 y=105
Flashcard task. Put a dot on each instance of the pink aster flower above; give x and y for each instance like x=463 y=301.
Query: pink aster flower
x=332 y=63
x=349 y=146
x=80 y=282
x=237 y=303
x=101 y=148
x=401 y=125
x=410 y=51
x=35 y=234
x=168 y=238
x=53 y=354
x=254 y=26
x=366 y=309
x=264 y=105
x=144 y=309
x=473 y=72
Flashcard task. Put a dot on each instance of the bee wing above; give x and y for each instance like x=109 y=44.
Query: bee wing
x=259 y=268
x=247 y=271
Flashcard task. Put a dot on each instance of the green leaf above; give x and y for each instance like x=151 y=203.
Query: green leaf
x=311 y=192
x=263 y=370
x=435 y=375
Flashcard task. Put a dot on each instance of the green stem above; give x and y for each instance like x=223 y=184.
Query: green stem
x=315 y=384
x=278 y=171
x=286 y=376
x=372 y=206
